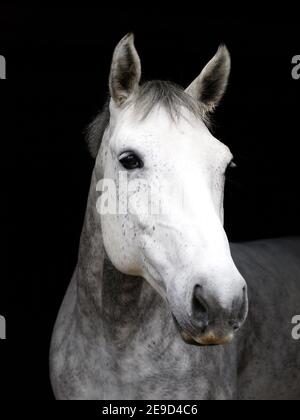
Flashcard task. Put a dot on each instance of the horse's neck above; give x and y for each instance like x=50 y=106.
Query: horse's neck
x=108 y=302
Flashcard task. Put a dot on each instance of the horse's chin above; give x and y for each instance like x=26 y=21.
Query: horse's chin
x=208 y=339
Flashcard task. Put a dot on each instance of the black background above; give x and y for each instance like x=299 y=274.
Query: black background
x=57 y=68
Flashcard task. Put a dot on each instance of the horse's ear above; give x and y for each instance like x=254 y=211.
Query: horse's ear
x=125 y=72
x=209 y=87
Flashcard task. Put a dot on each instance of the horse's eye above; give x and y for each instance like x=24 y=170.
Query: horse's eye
x=131 y=161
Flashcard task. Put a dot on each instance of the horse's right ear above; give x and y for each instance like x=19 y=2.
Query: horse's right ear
x=125 y=72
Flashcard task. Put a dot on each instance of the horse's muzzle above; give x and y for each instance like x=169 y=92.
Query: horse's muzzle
x=210 y=324
x=205 y=340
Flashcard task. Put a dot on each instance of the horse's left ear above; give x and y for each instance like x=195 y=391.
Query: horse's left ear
x=125 y=73
x=210 y=86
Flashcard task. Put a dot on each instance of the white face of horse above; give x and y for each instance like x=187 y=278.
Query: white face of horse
x=169 y=176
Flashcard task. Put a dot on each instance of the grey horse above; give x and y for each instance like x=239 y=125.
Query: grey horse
x=157 y=306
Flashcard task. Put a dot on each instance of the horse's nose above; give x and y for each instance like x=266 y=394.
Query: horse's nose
x=200 y=309
x=239 y=310
x=207 y=312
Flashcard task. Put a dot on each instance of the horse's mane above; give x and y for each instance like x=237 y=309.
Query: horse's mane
x=151 y=94
x=96 y=129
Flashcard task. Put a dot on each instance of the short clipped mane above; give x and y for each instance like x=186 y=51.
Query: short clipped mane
x=150 y=95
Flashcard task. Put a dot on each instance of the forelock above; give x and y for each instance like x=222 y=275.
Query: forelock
x=169 y=96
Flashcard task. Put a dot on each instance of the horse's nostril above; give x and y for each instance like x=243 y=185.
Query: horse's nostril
x=199 y=307
x=234 y=325
x=244 y=307
x=240 y=311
